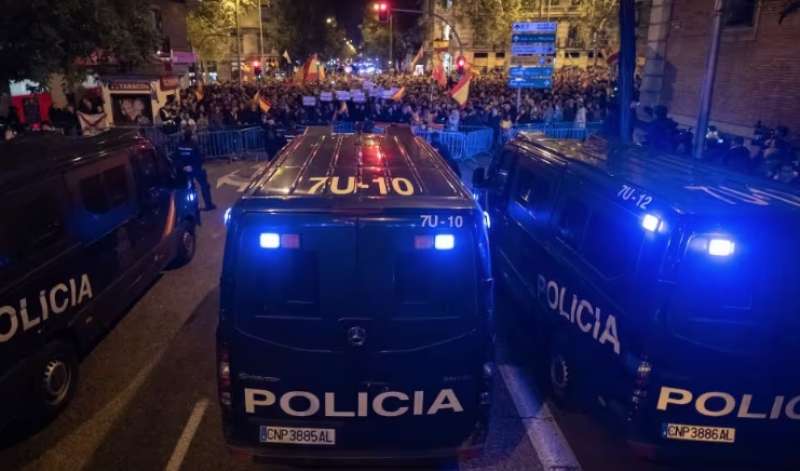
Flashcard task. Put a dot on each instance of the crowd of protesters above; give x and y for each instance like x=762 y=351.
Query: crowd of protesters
x=577 y=96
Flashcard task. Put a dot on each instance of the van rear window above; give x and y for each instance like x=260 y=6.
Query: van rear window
x=282 y=286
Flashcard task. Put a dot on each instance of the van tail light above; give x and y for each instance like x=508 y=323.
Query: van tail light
x=224 y=376
x=274 y=240
x=438 y=242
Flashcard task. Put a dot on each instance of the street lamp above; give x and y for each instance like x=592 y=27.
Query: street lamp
x=329 y=20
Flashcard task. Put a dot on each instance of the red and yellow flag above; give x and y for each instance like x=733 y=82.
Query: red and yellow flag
x=313 y=70
x=438 y=73
x=416 y=59
x=460 y=91
x=263 y=104
x=199 y=92
x=399 y=94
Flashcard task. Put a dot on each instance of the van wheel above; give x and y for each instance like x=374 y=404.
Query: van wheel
x=187 y=245
x=561 y=373
x=56 y=379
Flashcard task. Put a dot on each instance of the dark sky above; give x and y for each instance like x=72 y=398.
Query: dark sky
x=349 y=14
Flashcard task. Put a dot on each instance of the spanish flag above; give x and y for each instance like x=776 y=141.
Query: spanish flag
x=438 y=73
x=313 y=70
x=460 y=91
x=399 y=94
x=199 y=92
x=416 y=59
x=262 y=102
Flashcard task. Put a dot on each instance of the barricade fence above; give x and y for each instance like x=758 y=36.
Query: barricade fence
x=466 y=143
x=557 y=130
x=247 y=143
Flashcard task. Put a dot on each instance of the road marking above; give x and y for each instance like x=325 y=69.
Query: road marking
x=179 y=453
x=237 y=180
x=551 y=447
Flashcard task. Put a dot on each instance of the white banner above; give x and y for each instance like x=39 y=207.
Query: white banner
x=309 y=101
x=326 y=96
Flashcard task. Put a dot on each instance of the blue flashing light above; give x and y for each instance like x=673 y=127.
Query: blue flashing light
x=191 y=196
x=651 y=223
x=269 y=240
x=227 y=217
x=487 y=220
x=444 y=242
x=721 y=247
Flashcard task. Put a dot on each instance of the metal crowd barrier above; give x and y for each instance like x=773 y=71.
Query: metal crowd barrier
x=247 y=143
x=558 y=130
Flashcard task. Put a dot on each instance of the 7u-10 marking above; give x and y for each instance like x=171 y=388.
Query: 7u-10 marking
x=401 y=186
x=434 y=221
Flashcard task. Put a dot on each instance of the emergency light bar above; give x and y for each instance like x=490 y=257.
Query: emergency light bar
x=444 y=242
x=651 y=223
x=721 y=247
x=273 y=240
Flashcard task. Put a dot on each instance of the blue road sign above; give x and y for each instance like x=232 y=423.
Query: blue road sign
x=528 y=73
x=535 y=27
x=533 y=83
x=533 y=38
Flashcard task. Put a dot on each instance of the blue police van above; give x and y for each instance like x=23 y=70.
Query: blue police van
x=86 y=225
x=660 y=291
x=356 y=302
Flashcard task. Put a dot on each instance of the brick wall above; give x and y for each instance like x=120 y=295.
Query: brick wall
x=758 y=74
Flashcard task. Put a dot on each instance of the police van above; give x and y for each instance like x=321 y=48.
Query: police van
x=661 y=290
x=356 y=300
x=86 y=224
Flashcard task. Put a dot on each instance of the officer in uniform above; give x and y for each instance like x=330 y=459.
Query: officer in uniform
x=192 y=162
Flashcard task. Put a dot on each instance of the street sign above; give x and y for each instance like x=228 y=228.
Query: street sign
x=532 y=83
x=533 y=38
x=533 y=50
x=527 y=73
x=535 y=27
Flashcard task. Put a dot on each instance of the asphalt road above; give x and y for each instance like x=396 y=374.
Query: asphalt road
x=147 y=397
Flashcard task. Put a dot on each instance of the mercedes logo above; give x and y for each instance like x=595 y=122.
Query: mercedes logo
x=356 y=336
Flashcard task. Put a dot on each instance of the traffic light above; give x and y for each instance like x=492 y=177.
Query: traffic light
x=257 y=69
x=383 y=11
x=460 y=65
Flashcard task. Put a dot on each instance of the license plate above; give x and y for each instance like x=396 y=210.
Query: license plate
x=698 y=433
x=297 y=435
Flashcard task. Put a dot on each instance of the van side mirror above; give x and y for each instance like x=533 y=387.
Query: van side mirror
x=479 y=177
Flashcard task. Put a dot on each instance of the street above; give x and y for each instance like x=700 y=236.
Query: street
x=147 y=398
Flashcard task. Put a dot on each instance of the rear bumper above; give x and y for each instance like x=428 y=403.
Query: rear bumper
x=760 y=411
x=472 y=446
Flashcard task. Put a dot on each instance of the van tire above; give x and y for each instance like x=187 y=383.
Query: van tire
x=562 y=376
x=187 y=244
x=55 y=379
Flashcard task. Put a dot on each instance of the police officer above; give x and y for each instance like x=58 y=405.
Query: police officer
x=192 y=163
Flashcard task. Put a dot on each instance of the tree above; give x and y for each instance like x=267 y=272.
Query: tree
x=491 y=19
x=300 y=27
x=374 y=35
x=210 y=26
x=42 y=37
x=597 y=20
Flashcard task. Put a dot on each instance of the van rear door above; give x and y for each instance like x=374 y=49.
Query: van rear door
x=365 y=304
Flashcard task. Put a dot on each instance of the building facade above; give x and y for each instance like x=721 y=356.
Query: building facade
x=575 y=47
x=757 y=69
x=169 y=19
